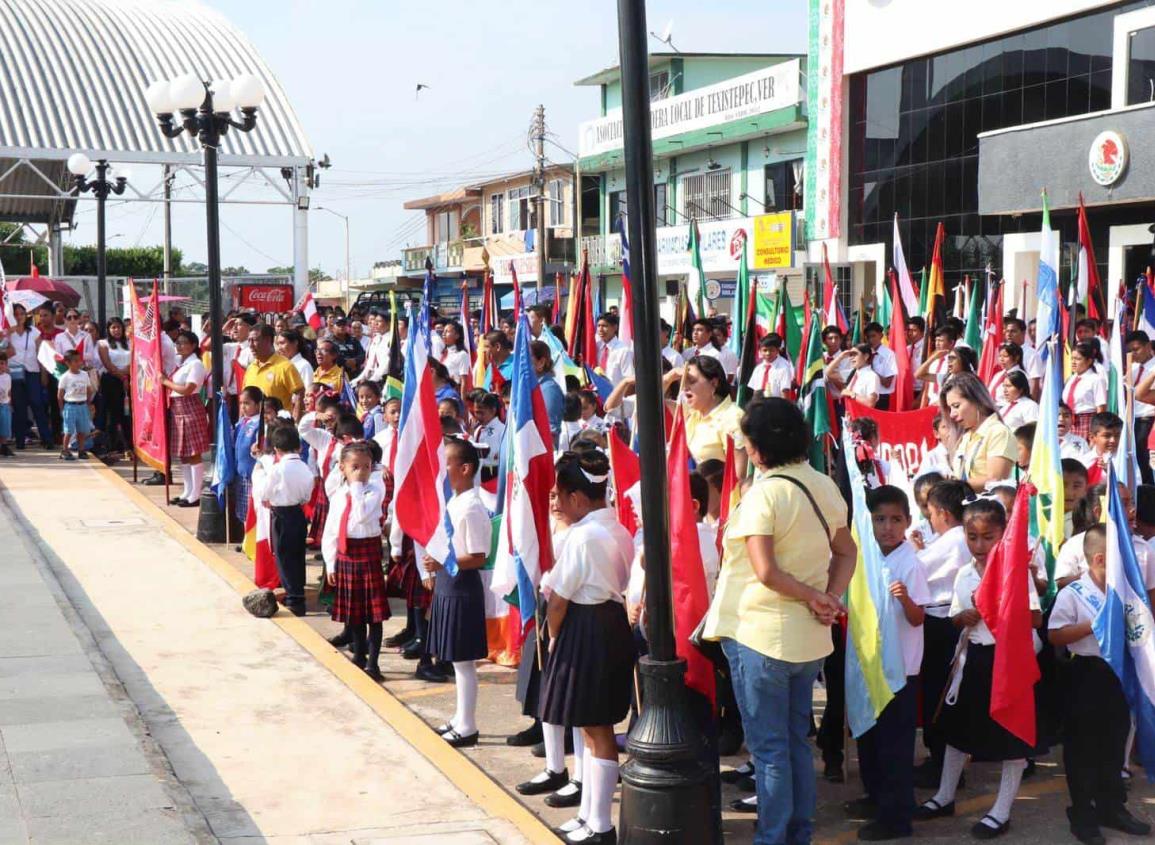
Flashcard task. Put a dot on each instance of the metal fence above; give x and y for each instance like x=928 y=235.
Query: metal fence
x=194 y=288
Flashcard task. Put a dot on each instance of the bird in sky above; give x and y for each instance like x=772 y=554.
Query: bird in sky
x=420 y=85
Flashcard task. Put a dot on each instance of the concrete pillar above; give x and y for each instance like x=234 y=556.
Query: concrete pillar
x=55 y=251
x=300 y=234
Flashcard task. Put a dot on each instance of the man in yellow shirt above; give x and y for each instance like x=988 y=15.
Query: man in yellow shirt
x=274 y=374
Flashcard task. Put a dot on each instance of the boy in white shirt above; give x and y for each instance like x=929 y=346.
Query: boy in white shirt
x=1070 y=445
x=288 y=485
x=74 y=394
x=5 y=408
x=1097 y=717
x=773 y=376
x=488 y=434
x=886 y=751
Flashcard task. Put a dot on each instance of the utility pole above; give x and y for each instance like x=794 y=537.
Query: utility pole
x=539 y=183
x=168 y=179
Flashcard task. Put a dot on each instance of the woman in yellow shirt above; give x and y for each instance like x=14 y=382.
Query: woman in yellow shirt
x=787 y=557
x=987 y=449
x=710 y=414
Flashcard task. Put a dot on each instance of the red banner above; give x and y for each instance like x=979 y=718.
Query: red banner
x=148 y=396
x=904 y=437
x=264 y=298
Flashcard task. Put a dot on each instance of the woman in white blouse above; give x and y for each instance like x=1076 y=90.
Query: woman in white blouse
x=116 y=359
x=75 y=337
x=864 y=384
x=1086 y=390
x=455 y=359
x=27 y=388
x=1010 y=360
x=189 y=435
x=1018 y=408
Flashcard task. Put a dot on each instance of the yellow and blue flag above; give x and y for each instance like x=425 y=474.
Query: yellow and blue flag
x=874 y=665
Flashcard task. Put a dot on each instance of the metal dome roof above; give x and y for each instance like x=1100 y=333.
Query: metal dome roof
x=73 y=75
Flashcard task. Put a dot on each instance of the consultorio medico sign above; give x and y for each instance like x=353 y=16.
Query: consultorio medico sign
x=765 y=90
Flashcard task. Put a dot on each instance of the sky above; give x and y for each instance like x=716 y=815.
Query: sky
x=350 y=69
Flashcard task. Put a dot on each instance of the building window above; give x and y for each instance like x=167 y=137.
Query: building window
x=707 y=195
x=1141 y=67
x=913 y=140
x=659 y=85
x=497 y=214
x=843 y=275
x=661 y=203
x=556 y=195
x=783 y=186
x=522 y=214
x=617 y=209
x=446 y=226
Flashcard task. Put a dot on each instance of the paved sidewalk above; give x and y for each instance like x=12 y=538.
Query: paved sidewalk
x=268 y=743
x=76 y=764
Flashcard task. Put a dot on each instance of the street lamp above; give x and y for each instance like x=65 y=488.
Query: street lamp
x=668 y=793
x=206 y=113
x=105 y=183
x=348 y=277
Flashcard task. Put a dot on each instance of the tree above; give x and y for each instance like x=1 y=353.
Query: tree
x=280 y=271
x=135 y=262
x=235 y=271
x=318 y=275
x=195 y=268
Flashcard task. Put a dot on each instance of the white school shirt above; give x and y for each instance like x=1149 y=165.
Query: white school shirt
x=1072 y=561
x=385 y=438
x=456 y=361
x=24 y=348
x=941 y=562
x=321 y=441
x=903 y=565
x=885 y=364
x=708 y=548
x=845 y=370
x=1139 y=372
x=5 y=389
x=936 y=460
x=288 y=481
x=864 y=382
x=594 y=423
x=364 y=501
x=914 y=351
x=1020 y=412
x=673 y=356
x=491 y=434
x=1071 y=609
x=75 y=386
x=773 y=379
x=967 y=582
x=619 y=360
x=1071 y=445
x=594 y=565
x=472 y=529
x=64 y=342
x=729 y=361
x=1032 y=362
x=929 y=535
x=1089 y=392
x=190 y=371
x=938 y=372
x=304 y=369
x=995 y=388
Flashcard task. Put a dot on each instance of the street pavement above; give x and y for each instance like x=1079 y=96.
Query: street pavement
x=266 y=741
x=254 y=737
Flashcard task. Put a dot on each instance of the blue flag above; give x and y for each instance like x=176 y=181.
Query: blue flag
x=224 y=461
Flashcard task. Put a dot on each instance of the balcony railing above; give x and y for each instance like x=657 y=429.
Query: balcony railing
x=603 y=251
x=445 y=256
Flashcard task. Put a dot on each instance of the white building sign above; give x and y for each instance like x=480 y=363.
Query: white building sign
x=719 y=243
x=525 y=263
x=762 y=91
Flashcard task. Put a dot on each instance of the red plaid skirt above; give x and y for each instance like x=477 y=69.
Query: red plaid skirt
x=359 y=595
x=1081 y=425
x=190 y=427
x=320 y=506
x=405 y=579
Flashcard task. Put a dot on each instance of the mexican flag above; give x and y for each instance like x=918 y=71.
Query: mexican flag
x=52 y=361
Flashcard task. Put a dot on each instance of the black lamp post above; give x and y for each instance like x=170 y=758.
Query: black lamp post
x=668 y=794
x=100 y=187
x=206 y=113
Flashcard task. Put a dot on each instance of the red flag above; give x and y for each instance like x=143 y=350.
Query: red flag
x=488 y=307
x=691 y=599
x=992 y=340
x=904 y=379
x=1087 y=255
x=584 y=341
x=831 y=312
x=556 y=298
x=627 y=472
x=1002 y=600
x=730 y=490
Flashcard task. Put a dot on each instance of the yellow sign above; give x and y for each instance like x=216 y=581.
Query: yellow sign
x=774 y=241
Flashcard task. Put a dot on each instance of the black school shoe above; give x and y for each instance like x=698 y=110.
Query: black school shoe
x=609 y=837
x=932 y=810
x=986 y=831
x=741 y=773
x=573 y=798
x=1121 y=819
x=881 y=832
x=414 y=650
x=431 y=674
x=456 y=740
x=552 y=782
x=861 y=808
x=402 y=637
x=530 y=736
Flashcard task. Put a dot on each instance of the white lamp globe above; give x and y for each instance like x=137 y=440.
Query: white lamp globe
x=187 y=92
x=159 y=97
x=248 y=91
x=79 y=165
x=121 y=172
x=223 y=98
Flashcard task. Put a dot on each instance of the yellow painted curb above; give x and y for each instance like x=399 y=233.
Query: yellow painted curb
x=459 y=769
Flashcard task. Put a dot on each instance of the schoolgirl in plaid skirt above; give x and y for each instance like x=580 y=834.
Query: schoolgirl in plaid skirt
x=189 y=420
x=351 y=546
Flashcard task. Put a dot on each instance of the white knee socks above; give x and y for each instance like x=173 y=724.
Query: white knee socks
x=579 y=754
x=186 y=481
x=587 y=768
x=1008 y=789
x=196 y=480
x=553 y=736
x=952 y=766
x=465 y=676
x=601 y=781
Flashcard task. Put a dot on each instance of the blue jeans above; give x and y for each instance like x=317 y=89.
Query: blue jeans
x=28 y=393
x=774 y=698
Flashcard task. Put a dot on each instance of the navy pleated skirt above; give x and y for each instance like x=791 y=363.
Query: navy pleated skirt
x=457 y=617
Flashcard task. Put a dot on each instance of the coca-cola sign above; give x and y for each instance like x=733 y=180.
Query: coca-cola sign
x=264 y=298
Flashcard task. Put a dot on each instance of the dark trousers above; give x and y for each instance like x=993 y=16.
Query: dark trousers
x=28 y=395
x=1096 y=723
x=886 y=758
x=54 y=414
x=831 y=736
x=288 y=530
x=1142 y=431
x=883 y=403
x=110 y=416
x=939 y=639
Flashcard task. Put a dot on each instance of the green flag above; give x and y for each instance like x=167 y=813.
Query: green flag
x=696 y=282
x=813 y=396
x=741 y=307
x=922 y=291
x=856 y=331
x=974 y=327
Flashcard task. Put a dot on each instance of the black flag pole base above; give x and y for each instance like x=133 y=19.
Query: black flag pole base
x=670 y=788
x=211 y=519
